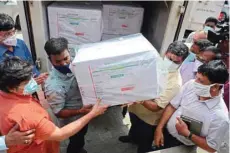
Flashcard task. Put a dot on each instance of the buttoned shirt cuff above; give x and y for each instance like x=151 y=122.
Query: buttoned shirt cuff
x=3 y=143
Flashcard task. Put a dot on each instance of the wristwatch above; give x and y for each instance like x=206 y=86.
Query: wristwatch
x=190 y=136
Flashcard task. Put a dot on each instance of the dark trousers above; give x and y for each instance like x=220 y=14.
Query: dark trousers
x=77 y=141
x=143 y=135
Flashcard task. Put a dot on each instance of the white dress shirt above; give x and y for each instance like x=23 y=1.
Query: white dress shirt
x=213 y=113
x=2 y=144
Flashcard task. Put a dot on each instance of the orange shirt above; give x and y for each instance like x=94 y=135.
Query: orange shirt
x=28 y=114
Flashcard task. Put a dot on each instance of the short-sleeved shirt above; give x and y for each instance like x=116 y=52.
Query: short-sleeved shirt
x=172 y=88
x=188 y=72
x=21 y=51
x=28 y=114
x=62 y=92
x=212 y=113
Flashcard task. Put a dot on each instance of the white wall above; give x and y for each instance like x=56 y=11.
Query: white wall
x=40 y=30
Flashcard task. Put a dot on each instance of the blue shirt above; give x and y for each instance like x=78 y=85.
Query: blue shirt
x=21 y=51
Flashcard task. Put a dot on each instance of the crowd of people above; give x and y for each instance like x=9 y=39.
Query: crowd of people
x=191 y=110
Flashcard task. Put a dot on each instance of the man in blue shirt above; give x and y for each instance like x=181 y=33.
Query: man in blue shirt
x=11 y=46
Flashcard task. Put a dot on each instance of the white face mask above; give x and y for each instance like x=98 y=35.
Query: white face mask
x=203 y=90
x=207 y=28
x=197 y=64
x=11 y=41
x=170 y=65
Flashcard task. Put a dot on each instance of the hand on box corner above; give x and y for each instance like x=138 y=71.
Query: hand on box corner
x=182 y=127
x=99 y=109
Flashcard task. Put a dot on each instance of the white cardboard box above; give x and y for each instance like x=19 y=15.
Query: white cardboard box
x=79 y=22
x=122 y=19
x=109 y=36
x=117 y=71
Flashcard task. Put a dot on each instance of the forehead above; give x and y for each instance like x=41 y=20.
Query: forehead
x=174 y=57
x=210 y=23
x=60 y=56
x=207 y=54
x=202 y=79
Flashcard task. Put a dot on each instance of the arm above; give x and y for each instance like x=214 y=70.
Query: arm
x=158 y=135
x=56 y=100
x=202 y=143
x=60 y=134
x=66 y=113
x=151 y=105
x=183 y=130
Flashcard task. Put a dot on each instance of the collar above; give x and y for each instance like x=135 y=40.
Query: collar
x=26 y=98
x=4 y=48
x=61 y=75
x=212 y=102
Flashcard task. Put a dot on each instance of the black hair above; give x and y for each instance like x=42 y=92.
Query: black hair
x=211 y=19
x=14 y=71
x=216 y=71
x=215 y=51
x=203 y=43
x=6 y=22
x=55 y=46
x=178 y=48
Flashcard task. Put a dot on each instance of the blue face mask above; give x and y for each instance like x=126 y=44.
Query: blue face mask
x=63 y=69
x=191 y=57
x=207 y=28
x=31 y=87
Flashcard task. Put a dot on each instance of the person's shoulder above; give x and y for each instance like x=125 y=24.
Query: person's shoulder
x=20 y=42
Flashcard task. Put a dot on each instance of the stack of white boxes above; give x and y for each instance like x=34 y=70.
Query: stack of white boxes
x=79 y=22
x=121 y=19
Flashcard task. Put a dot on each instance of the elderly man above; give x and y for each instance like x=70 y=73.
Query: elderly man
x=145 y=116
x=210 y=24
x=198 y=112
x=188 y=70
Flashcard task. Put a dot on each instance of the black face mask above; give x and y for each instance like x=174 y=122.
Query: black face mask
x=63 y=69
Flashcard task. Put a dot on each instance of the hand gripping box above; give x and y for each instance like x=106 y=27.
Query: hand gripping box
x=78 y=22
x=118 y=71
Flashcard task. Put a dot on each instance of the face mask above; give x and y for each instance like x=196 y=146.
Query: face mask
x=207 y=28
x=63 y=69
x=203 y=90
x=31 y=87
x=197 y=64
x=190 y=58
x=170 y=65
x=11 y=41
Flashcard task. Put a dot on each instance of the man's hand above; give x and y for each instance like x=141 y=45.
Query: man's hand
x=158 y=138
x=182 y=127
x=132 y=103
x=41 y=78
x=86 y=109
x=98 y=109
x=15 y=137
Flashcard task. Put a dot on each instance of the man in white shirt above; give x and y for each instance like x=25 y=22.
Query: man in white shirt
x=15 y=137
x=188 y=70
x=201 y=101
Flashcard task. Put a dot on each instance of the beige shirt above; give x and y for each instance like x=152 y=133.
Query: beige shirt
x=173 y=85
